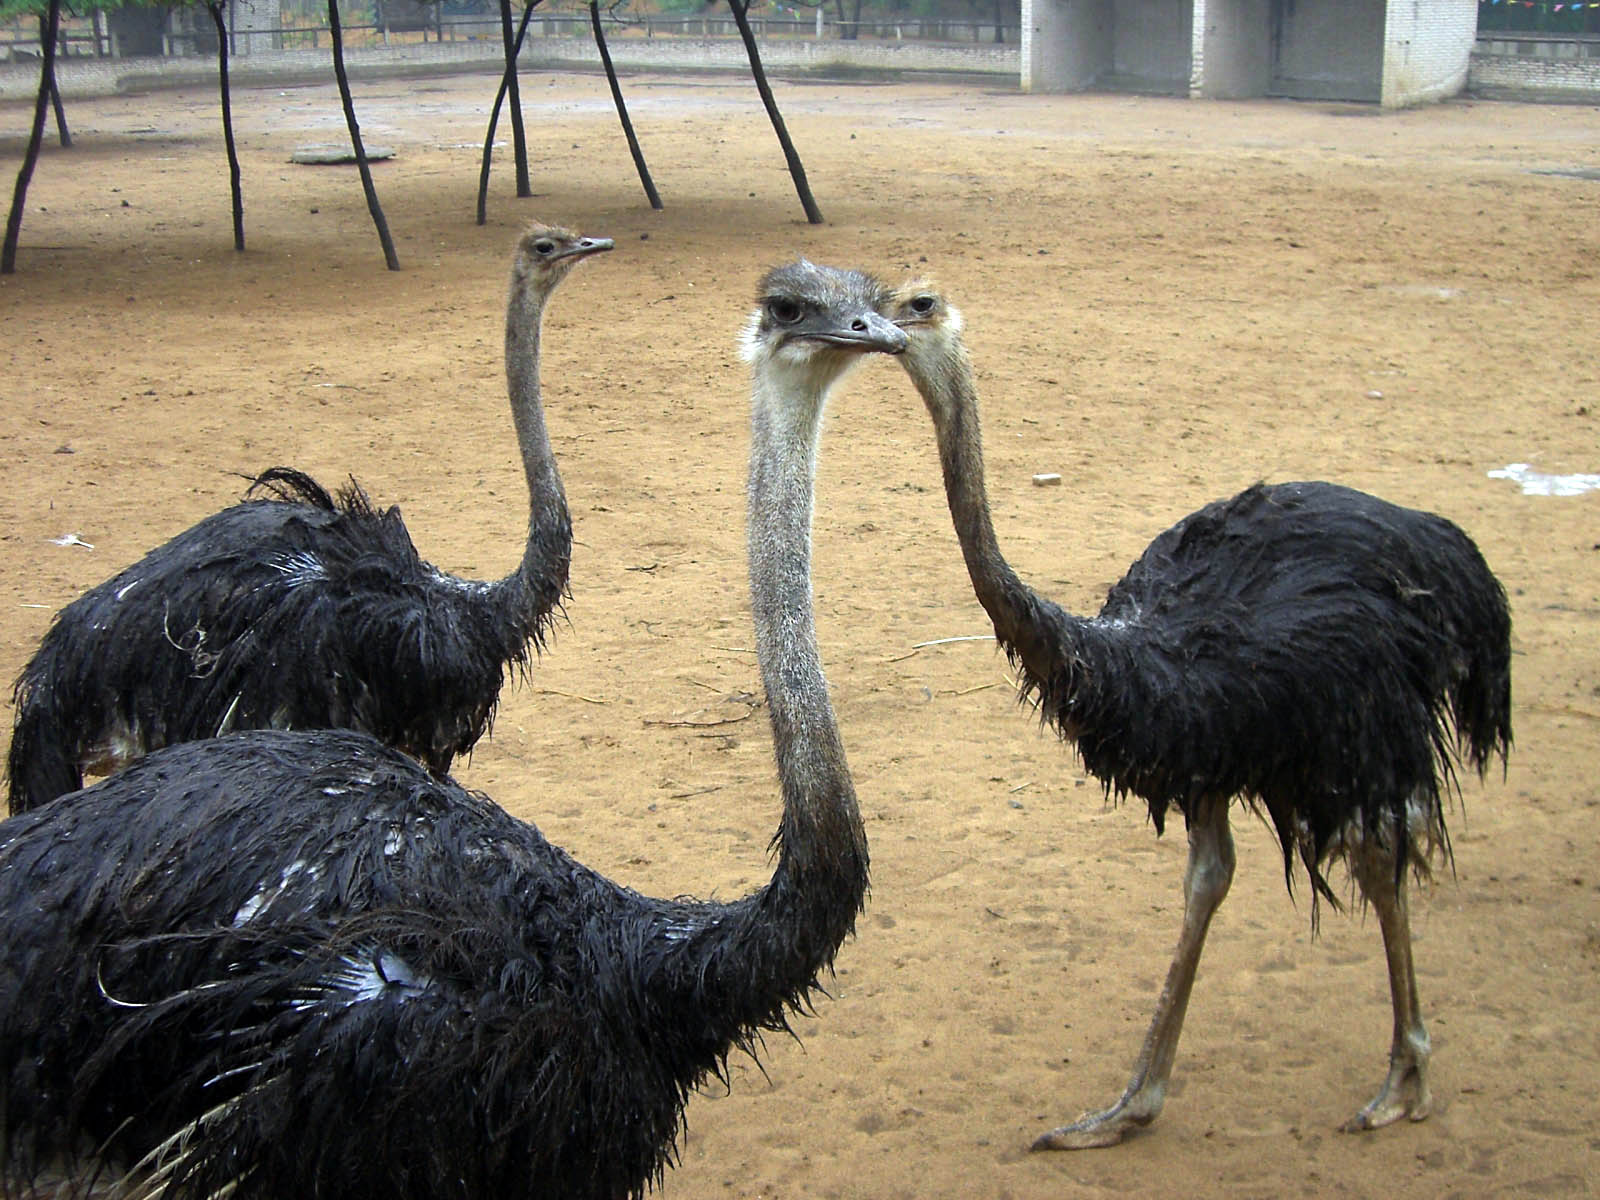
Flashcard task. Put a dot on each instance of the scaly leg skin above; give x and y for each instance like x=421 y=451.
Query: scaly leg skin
x=1405 y=1091
x=1205 y=883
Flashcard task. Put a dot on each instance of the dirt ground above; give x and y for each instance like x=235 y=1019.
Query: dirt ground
x=1166 y=301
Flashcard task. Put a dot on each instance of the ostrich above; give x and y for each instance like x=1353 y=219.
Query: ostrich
x=300 y=612
x=294 y=963
x=1322 y=655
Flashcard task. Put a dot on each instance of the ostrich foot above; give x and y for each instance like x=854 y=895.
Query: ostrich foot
x=1404 y=1094
x=1094 y=1130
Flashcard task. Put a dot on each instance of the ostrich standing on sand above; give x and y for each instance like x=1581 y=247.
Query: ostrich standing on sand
x=286 y=964
x=1321 y=654
x=303 y=613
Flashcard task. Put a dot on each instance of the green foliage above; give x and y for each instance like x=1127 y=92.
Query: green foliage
x=1540 y=16
x=10 y=10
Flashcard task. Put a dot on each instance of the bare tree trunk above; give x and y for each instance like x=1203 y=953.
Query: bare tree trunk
x=47 y=83
x=215 y=9
x=355 y=136
x=797 y=170
x=519 y=140
x=494 y=114
x=622 y=109
x=63 y=134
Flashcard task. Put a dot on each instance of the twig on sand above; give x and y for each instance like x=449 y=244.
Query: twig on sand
x=977 y=687
x=970 y=637
x=569 y=695
x=686 y=723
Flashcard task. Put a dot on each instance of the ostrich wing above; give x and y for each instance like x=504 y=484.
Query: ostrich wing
x=1305 y=646
x=273 y=614
x=387 y=970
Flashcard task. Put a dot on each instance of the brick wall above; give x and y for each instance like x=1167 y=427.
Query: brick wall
x=1535 y=69
x=1513 y=69
x=80 y=77
x=1426 y=48
x=1066 y=44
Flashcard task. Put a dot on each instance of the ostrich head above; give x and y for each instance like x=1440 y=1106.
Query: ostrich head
x=811 y=324
x=545 y=253
x=934 y=350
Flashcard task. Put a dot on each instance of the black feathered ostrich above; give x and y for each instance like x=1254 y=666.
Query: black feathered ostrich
x=300 y=612
x=1323 y=655
x=287 y=964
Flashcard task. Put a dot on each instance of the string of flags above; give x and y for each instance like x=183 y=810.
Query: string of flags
x=1544 y=4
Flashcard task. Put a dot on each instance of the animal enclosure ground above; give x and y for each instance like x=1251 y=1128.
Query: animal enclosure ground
x=1166 y=301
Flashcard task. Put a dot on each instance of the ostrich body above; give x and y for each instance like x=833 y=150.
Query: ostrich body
x=1322 y=655
x=285 y=964
x=301 y=611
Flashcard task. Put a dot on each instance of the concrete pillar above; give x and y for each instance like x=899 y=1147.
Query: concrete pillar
x=1066 y=44
x=1427 y=48
x=254 y=24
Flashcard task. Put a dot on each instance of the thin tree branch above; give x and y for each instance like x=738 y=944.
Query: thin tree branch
x=47 y=83
x=797 y=170
x=214 y=7
x=373 y=206
x=622 y=108
x=506 y=80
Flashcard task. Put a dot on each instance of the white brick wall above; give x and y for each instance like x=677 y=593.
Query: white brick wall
x=1066 y=44
x=1535 y=76
x=1427 y=45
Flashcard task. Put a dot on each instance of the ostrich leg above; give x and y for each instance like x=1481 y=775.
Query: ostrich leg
x=1405 y=1091
x=1205 y=883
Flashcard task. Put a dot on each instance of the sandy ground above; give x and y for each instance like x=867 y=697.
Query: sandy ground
x=1166 y=301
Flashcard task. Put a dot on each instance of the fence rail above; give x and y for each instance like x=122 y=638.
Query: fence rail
x=182 y=38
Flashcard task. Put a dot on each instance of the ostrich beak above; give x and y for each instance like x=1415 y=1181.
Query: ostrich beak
x=867 y=333
x=587 y=246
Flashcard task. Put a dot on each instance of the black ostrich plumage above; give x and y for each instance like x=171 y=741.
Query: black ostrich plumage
x=391 y=989
x=1322 y=653
x=298 y=611
x=1323 y=656
x=284 y=964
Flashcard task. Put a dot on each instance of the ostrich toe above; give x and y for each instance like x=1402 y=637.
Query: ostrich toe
x=1094 y=1130
x=1404 y=1094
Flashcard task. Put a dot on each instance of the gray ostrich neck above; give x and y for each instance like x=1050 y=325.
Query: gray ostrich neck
x=1018 y=614
x=819 y=801
x=542 y=574
x=738 y=966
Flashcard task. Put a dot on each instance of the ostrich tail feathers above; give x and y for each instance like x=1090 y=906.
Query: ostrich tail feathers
x=39 y=765
x=296 y=487
x=291 y=487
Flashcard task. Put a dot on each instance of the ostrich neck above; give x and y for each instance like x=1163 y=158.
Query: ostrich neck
x=820 y=815
x=542 y=574
x=748 y=961
x=1018 y=614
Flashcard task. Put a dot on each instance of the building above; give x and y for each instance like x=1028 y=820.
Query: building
x=1391 y=52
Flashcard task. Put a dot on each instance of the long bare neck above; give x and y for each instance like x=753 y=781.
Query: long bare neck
x=745 y=964
x=820 y=815
x=542 y=575
x=1024 y=622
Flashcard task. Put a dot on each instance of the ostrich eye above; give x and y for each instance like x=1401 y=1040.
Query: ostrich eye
x=545 y=246
x=922 y=305
x=783 y=311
